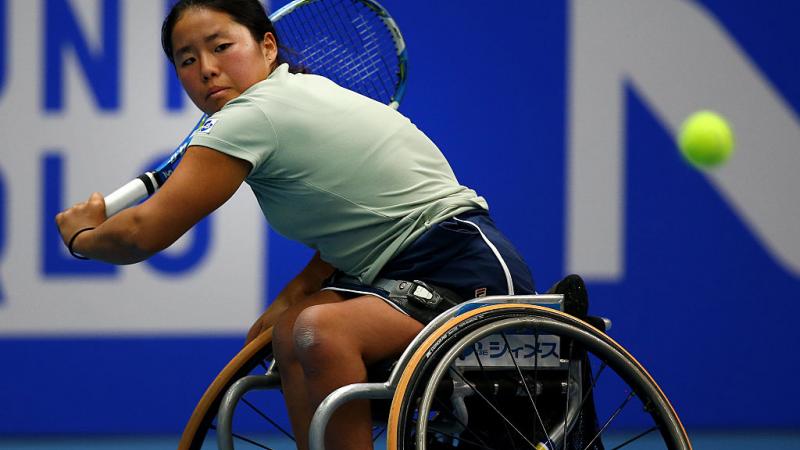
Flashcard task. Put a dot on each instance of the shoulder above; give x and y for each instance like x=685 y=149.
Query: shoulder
x=239 y=116
x=240 y=129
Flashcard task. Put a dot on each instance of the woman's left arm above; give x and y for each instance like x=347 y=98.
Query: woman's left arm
x=202 y=182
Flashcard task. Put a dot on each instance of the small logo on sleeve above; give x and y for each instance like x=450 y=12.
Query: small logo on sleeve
x=207 y=125
x=480 y=292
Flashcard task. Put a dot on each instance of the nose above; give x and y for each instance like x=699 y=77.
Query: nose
x=208 y=67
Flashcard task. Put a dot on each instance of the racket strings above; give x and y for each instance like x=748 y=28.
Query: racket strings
x=339 y=52
x=346 y=42
x=354 y=53
x=359 y=71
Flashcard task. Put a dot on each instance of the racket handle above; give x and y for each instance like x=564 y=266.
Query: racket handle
x=131 y=193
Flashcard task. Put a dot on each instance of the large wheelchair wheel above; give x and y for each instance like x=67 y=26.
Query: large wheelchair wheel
x=519 y=376
x=247 y=367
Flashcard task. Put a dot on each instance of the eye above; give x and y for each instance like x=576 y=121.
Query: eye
x=187 y=62
x=222 y=47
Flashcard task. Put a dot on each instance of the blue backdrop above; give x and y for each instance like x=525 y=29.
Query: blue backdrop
x=701 y=302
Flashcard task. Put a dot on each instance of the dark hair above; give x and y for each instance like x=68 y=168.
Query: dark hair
x=248 y=13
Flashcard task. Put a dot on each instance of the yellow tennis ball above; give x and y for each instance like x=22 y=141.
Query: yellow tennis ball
x=706 y=139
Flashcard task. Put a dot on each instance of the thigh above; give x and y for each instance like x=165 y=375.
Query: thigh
x=378 y=330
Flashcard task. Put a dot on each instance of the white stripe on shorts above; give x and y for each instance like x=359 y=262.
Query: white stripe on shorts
x=499 y=257
x=374 y=294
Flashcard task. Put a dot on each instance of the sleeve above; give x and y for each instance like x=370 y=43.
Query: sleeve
x=240 y=129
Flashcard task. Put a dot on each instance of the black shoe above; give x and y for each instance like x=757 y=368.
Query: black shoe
x=576 y=298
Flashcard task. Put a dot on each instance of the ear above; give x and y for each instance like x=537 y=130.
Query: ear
x=269 y=47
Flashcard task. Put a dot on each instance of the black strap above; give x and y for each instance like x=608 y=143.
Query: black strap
x=72 y=242
x=417 y=293
x=418 y=299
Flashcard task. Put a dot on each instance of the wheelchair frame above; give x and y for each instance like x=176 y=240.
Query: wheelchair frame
x=543 y=309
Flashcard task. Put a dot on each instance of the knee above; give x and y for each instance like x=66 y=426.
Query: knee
x=317 y=336
x=306 y=335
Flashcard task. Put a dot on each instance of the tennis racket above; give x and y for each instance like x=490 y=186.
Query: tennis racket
x=355 y=43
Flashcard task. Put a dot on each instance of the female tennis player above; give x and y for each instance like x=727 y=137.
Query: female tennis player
x=345 y=175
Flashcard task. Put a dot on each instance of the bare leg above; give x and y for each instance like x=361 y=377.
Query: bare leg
x=293 y=380
x=334 y=342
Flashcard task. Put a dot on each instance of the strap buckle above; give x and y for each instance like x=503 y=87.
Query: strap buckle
x=418 y=292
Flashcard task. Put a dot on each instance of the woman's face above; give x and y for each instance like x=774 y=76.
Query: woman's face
x=217 y=58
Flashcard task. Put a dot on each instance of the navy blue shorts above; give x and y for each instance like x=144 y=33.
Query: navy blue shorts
x=466 y=255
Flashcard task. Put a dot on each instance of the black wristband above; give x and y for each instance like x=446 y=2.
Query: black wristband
x=72 y=241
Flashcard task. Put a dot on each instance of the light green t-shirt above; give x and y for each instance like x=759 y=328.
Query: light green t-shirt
x=337 y=171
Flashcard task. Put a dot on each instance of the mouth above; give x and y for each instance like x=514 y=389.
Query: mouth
x=215 y=91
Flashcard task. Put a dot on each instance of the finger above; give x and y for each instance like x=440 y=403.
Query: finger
x=96 y=197
x=98 y=202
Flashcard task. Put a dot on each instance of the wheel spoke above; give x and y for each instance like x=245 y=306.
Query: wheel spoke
x=579 y=409
x=489 y=383
x=525 y=384
x=566 y=408
x=597 y=375
x=610 y=419
x=379 y=434
x=536 y=384
x=480 y=444
x=245 y=439
x=494 y=408
x=638 y=436
x=446 y=410
x=264 y=416
x=571 y=423
x=588 y=391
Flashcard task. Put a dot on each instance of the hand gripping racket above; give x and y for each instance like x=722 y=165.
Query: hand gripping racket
x=355 y=43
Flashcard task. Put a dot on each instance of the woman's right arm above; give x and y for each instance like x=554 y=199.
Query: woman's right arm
x=307 y=282
x=203 y=181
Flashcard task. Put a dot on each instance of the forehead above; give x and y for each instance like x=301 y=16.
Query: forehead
x=199 y=23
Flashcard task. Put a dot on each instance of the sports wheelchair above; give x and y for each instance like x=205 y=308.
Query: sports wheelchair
x=502 y=372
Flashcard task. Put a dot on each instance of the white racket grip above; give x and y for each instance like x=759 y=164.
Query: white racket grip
x=130 y=194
